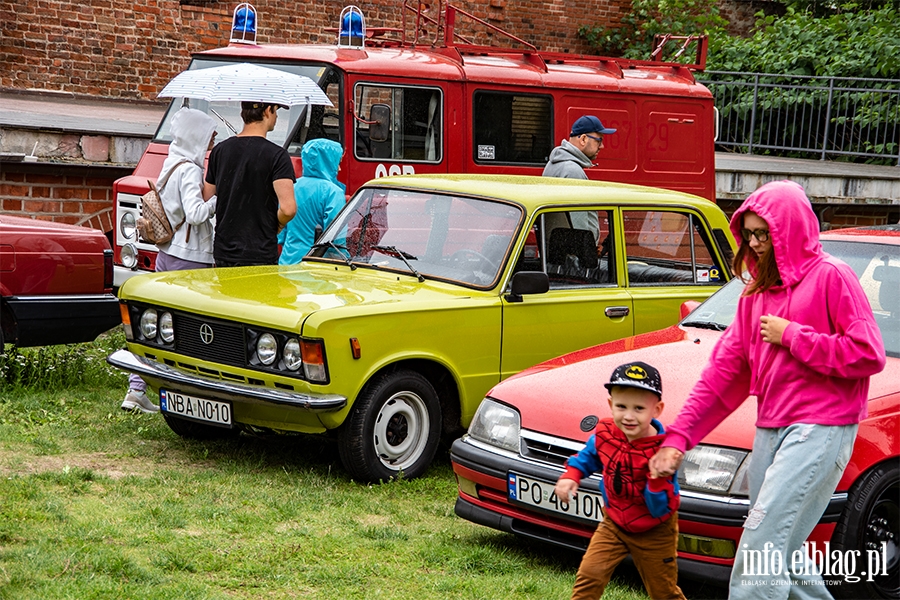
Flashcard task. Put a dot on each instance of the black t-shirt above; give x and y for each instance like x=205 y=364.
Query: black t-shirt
x=243 y=169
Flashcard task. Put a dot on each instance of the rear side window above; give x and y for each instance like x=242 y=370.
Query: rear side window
x=669 y=247
x=511 y=128
x=398 y=123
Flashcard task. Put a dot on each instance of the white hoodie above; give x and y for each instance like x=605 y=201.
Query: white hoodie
x=182 y=196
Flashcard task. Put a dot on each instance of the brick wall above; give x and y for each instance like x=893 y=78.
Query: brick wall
x=78 y=195
x=126 y=49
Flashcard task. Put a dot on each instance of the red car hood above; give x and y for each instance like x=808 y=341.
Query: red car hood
x=553 y=397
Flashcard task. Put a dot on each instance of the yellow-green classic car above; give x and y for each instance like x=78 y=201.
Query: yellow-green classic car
x=423 y=293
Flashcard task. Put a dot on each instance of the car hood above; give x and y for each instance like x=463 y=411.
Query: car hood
x=555 y=396
x=283 y=296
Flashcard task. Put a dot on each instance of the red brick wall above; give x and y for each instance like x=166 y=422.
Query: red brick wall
x=76 y=195
x=127 y=49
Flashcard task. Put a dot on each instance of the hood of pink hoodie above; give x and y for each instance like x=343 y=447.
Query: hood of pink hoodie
x=793 y=229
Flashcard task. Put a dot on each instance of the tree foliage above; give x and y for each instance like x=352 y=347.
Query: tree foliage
x=848 y=42
x=634 y=37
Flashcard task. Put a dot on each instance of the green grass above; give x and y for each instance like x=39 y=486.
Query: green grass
x=99 y=503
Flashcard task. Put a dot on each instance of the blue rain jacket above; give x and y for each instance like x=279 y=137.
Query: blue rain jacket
x=319 y=195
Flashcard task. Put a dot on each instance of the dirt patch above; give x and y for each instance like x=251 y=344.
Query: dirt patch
x=13 y=463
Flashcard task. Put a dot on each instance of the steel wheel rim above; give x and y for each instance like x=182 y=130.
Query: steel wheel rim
x=881 y=524
x=401 y=430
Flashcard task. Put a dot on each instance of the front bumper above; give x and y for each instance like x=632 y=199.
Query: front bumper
x=44 y=320
x=162 y=375
x=482 y=473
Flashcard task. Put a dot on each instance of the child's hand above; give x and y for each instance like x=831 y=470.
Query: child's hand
x=665 y=462
x=566 y=489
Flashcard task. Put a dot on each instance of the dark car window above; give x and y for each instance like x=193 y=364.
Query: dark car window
x=573 y=247
x=669 y=248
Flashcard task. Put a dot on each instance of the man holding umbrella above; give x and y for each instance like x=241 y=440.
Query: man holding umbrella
x=253 y=180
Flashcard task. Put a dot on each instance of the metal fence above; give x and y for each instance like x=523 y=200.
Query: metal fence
x=838 y=118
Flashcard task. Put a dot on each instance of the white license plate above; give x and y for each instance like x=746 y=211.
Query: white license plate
x=199 y=409
x=539 y=494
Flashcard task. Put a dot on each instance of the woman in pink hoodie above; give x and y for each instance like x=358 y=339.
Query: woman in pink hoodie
x=804 y=342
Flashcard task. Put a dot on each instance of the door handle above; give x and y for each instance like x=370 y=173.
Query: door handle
x=616 y=311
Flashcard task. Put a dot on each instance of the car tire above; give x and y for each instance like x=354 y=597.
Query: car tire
x=198 y=431
x=870 y=517
x=393 y=428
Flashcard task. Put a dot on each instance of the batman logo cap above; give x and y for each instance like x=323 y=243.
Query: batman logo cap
x=637 y=375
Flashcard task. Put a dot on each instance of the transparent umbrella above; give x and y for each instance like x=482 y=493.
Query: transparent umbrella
x=245 y=82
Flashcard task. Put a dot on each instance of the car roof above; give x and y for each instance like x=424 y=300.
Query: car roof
x=876 y=234
x=533 y=192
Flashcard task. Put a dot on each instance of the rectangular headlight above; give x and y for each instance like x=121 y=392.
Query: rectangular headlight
x=496 y=424
x=710 y=469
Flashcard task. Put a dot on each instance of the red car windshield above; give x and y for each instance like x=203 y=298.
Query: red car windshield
x=876 y=265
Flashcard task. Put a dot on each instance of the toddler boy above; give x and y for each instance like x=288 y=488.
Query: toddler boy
x=640 y=511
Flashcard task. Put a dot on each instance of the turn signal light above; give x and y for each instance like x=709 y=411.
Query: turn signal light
x=313 y=352
x=704 y=546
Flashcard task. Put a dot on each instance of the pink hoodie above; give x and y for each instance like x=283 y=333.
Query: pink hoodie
x=820 y=373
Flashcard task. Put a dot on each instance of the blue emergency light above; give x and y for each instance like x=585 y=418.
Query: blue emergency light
x=243 y=24
x=353 y=27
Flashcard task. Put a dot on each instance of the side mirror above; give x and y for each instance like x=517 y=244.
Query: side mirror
x=528 y=282
x=380 y=128
x=687 y=307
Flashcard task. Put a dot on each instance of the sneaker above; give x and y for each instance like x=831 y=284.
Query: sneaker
x=138 y=401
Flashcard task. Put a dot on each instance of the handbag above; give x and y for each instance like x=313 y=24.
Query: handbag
x=153 y=225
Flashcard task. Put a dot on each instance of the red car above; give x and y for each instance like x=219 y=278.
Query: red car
x=55 y=283
x=529 y=424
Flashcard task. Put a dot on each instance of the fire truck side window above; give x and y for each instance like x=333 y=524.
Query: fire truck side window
x=511 y=128
x=324 y=121
x=398 y=123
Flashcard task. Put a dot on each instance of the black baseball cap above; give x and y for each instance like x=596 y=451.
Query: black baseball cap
x=254 y=105
x=637 y=375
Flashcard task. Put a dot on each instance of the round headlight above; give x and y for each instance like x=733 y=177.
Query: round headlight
x=127 y=226
x=129 y=256
x=267 y=348
x=166 y=327
x=148 y=324
x=293 y=360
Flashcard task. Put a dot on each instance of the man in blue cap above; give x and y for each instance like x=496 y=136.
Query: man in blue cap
x=574 y=155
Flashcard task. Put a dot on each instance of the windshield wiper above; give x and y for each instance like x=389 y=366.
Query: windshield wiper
x=337 y=248
x=705 y=325
x=396 y=252
x=224 y=120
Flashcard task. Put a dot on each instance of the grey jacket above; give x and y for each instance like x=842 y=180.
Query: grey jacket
x=567 y=161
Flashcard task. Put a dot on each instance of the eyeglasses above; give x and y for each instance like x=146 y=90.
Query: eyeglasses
x=599 y=140
x=761 y=235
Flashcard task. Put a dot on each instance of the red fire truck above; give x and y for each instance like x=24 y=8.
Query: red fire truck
x=404 y=104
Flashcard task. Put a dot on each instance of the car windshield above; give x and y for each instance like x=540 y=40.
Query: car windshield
x=424 y=233
x=228 y=114
x=876 y=265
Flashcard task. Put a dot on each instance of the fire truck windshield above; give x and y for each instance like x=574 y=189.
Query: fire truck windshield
x=228 y=114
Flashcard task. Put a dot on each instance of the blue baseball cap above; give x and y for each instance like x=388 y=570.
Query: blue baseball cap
x=589 y=124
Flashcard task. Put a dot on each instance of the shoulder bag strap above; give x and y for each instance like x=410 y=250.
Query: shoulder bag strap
x=161 y=184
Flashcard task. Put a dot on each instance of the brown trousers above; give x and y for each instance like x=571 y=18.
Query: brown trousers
x=653 y=552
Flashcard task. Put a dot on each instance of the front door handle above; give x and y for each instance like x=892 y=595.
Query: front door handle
x=616 y=311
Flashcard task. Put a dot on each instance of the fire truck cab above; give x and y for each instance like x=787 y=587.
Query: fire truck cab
x=403 y=105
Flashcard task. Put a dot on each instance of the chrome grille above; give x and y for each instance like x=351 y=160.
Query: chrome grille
x=227 y=346
x=545 y=448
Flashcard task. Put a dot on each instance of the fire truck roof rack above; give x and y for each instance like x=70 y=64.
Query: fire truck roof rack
x=449 y=42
